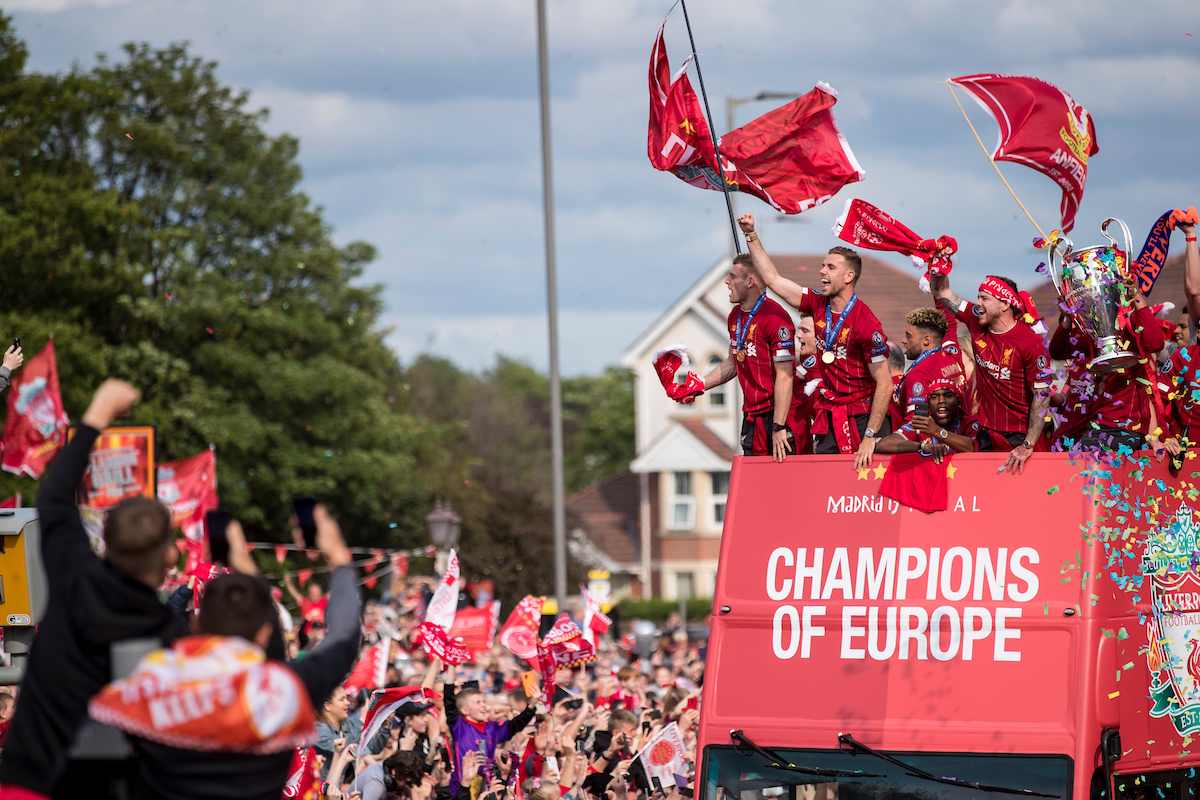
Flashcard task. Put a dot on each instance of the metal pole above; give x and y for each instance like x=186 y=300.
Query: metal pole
x=737 y=245
x=556 y=433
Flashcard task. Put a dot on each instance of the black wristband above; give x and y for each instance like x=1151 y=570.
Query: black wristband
x=780 y=427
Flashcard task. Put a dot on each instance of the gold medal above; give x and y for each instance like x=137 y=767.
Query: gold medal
x=741 y=356
x=827 y=357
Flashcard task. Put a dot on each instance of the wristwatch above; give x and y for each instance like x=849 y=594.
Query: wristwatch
x=1027 y=443
x=942 y=434
x=869 y=433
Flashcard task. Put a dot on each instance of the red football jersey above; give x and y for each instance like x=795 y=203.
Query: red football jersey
x=941 y=362
x=769 y=338
x=859 y=343
x=1182 y=374
x=1009 y=366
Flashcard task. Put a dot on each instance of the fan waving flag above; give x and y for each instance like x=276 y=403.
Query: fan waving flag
x=595 y=621
x=36 y=426
x=384 y=702
x=1042 y=127
x=792 y=158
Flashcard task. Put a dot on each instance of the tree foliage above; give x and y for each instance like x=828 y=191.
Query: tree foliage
x=151 y=225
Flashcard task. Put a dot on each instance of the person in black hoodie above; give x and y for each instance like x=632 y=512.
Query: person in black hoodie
x=184 y=755
x=92 y=603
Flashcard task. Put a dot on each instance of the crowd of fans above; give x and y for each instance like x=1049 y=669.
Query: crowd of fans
x=240 y=700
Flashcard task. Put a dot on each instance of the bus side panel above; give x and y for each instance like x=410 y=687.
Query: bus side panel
x=810 y=649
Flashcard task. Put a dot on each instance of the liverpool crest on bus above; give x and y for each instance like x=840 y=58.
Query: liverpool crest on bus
x=1171 y=561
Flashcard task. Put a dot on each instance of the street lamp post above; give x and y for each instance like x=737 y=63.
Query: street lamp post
x=731 y=104
x=445 y=526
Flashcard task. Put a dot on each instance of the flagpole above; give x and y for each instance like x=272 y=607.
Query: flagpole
x=556 y=421
x=737 y=245
x=996 y=166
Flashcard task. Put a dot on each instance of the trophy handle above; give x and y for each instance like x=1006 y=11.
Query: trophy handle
x=1052 y=251
x=1128 y=249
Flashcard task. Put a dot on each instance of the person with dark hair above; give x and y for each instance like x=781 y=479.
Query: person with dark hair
x=762 y=352
x=1011 y=378
x=398 y=773
x=213 y=717
x=933 y=357
x=92 y=604
x=856 y=385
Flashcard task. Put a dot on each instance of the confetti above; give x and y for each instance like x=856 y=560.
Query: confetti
x=1052 y=490
x=210 y=330
x=130 y=137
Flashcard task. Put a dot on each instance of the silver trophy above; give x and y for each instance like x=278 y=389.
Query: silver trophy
x=1091 y=281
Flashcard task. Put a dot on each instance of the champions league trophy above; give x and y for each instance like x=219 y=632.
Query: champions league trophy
x=1091 y=281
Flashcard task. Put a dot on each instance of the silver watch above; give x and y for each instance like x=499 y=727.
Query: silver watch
x=869 y=433
x=942 y=434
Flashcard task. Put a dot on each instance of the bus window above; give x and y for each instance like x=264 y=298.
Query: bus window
x=1174 y=784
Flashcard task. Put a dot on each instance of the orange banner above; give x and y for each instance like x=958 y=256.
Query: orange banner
x=121 y=465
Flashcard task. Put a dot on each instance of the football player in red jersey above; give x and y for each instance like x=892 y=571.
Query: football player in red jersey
x=856 y=384
x=762 y=354
x=1010 y=366
x=933 y=358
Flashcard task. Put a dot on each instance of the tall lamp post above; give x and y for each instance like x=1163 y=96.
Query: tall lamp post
x=445 y=526
x=731 y=104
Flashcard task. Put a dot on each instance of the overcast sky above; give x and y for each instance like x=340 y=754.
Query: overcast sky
x=418 y=128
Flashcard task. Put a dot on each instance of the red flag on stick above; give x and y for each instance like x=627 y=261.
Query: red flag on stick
x=520 y=631
x=36 y=426
x=1042 y=127
x=792 y=158
x=188 y=487
x=11 y=502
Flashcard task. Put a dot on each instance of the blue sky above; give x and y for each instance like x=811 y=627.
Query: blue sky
x=418 y=125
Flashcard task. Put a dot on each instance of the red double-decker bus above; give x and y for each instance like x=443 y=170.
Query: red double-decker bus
x=1039 y=637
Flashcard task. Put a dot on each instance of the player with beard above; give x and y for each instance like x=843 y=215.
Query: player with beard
x=1011 y=363
x=762 y=351
x=932 y=357
x=856 y=385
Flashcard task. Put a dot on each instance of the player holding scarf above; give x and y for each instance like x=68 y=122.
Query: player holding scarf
x=856 y=385
x=1011 y=363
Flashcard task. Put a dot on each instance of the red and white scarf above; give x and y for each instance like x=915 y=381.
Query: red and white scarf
x=210 y=693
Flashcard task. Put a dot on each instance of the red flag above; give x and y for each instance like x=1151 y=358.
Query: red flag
x=792 y=158
x=303 y=575
x=304 y=779
x=371 y=669
x=520 y=631
x=863 y=225
x=400 y=564
x=595 y=621
x=11 y=502
x=280 y=552
x=36 y=425
x=188 y=487
x=476 y=627
x=382 y=704
x=1042 y=127
x=563 y=647
x=370 y=582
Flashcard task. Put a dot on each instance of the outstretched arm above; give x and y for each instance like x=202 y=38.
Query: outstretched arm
x=721 y=373
x=1191 y=271
x=788 y=289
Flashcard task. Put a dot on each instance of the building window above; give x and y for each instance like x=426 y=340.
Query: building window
x=716 y=398
x=720 y=491
x=685 y=585
x=683 y=506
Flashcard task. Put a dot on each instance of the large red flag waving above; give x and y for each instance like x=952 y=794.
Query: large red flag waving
x=36 y=426
x=1041 y=126
x=188 y=487
x=793 y=158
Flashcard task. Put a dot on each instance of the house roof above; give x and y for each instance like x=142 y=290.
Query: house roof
x=706 y=437
x=607 y=514
x=683 y=447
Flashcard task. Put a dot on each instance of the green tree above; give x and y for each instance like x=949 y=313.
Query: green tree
x=183 y=257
